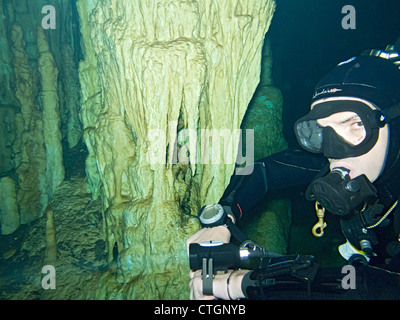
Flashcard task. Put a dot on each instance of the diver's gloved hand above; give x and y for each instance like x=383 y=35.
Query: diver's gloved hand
x=356 y=228
x=220 y=233
x=226 y=286
x=347 y=250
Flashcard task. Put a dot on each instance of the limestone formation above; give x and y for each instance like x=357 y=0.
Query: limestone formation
x=31 y=118
x=155 y=74
x=70 y=78
x=8 y=102
x=50 y=255
x=51 y=115
x=30 y=154
x=162 y=88
x=9 y=215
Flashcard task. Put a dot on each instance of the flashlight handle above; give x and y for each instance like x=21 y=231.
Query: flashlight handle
x=223 y=255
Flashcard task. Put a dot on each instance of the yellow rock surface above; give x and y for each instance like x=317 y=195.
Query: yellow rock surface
x=155 y=74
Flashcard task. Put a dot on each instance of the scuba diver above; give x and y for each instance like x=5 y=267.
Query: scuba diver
x=350 y=162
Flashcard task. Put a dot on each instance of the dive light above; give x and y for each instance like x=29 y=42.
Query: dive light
x=225 y=255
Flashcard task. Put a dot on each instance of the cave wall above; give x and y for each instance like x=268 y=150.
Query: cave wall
x=154 y=74
x=142 y=83
x=38 y=108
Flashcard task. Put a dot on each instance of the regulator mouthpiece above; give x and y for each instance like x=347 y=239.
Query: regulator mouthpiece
x=339 y=194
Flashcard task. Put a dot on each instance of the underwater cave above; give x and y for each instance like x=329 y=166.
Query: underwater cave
x=103 y=107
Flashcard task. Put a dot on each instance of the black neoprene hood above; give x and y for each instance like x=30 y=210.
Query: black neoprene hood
x=371 y=78
x=367 y=77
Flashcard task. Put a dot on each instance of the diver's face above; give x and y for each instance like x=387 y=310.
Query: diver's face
x=346 y=124
x=349 y=126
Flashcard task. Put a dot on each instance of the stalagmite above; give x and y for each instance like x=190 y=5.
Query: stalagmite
x=51 y=114
x=9 y=215
x=155 y=74
x=51 y=246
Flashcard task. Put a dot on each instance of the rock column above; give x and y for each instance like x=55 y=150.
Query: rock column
x=155 y=74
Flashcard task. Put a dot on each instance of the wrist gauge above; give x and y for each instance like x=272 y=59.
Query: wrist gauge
x=212 y=215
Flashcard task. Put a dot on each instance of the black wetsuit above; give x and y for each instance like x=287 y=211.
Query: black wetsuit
x=296 y=168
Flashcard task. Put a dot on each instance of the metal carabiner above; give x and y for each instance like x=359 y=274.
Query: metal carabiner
x=321 y=224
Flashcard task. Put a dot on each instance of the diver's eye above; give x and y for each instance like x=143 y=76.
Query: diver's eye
x=358 y=124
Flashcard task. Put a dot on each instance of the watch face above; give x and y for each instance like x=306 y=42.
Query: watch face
x=211 y=214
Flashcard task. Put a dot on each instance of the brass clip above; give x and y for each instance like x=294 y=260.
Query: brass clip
x=321 y=225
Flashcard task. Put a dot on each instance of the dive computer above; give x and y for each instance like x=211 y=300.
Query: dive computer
x=212 y=215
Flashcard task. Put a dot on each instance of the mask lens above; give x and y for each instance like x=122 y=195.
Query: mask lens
x=339 y=129
x=309 y=135
x=347 y=125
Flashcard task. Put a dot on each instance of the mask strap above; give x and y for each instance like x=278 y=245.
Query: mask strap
x=391 y=113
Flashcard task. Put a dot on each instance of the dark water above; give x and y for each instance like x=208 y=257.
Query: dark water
x=308 y=40
x=301 y=239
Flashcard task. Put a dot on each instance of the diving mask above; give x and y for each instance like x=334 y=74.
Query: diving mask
x=340 y=128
